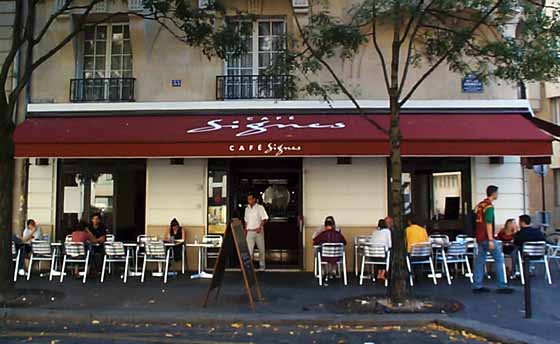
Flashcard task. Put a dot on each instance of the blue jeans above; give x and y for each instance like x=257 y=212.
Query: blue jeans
x=481 y=261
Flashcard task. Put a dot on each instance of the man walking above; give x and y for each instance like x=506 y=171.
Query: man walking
x=484 y=233
x=255 y=218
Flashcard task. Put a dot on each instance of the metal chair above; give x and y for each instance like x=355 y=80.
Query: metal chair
x=214 y=239
x=359 y=242
x=375 y=255
x=68 y=238
x=41 y=251
x=490 y=259
x=156 y=253
x=109 y=238
x=536 y=252
x=420 y=254
x=456 y=253
x=141 y=241
x=115 y=253
x=332 y=250
x=554 y=253
x=75 y=252
x=439 y=239
x=16 y=256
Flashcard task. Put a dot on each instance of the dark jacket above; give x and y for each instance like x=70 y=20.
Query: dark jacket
x=329 y=236
x=527 y=234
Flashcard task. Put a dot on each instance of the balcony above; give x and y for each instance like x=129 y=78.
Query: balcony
x=102 y=90
x=253 y=87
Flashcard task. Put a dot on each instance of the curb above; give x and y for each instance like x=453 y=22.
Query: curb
x=490 y=332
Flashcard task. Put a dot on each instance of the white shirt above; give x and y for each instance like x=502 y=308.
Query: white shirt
x=38 y=235
x=382 y=237
x=254 y=216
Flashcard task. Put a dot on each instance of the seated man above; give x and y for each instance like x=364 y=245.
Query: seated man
x=31 y=232
x=527 y=233
x=329 y=235
x=415 y=234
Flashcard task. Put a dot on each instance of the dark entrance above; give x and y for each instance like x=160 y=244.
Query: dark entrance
x=115 y=188
x=277 y=184
x=438 y=192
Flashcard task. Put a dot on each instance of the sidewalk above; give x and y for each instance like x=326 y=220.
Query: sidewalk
x=291 y=297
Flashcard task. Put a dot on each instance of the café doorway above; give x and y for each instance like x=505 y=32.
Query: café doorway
x=277 y=183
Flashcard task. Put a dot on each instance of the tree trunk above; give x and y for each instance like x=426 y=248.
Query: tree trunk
x=6 y=201
x=19 y=214
x=398 y=290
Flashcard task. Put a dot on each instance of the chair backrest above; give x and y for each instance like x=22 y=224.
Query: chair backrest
x=457 y=249
x=14 y=251
x=40 y=247
x=144 y=238
x=213 y=239
x=332 y=250
x=375 y=251
x=421 y=249
x=115 y=248
x=534 y=248
x=439 y=239
x=68 y=238
x=110 y=238
x=155 y=248
x=362 y=239
x=74 y=249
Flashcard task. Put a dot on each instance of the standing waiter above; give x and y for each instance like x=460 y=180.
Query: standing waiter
x=255 y=218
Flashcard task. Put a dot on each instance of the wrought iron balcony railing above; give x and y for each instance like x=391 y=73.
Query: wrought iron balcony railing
x=253 y=87
x=102 y=90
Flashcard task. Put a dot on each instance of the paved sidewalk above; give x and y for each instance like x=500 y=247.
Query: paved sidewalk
x=293 y=296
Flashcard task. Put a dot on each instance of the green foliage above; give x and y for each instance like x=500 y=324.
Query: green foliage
x=514 y=40
x=205 y=28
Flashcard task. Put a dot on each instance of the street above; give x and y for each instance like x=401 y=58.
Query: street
x=97 y=332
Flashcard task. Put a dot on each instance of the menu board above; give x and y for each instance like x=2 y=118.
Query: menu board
x=235 y=237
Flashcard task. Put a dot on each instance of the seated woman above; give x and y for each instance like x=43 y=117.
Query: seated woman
x=82 y=234
x=506 y=236
x=329 y=235
x=176 y=232
x=381 y=236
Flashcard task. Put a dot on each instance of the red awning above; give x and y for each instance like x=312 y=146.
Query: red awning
x=289 y=135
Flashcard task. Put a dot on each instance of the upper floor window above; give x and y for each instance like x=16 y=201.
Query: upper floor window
x=245 y=75
x=106 y=65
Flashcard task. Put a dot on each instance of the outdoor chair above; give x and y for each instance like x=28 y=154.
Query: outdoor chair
x=109 y=238
x=359 y=242
x=141 y=241
x=490 y=259
x=439 y=239
x=456 y=254
x=554 y=253
x=115 y=252
x=16 y=254
x=375 y=255
x=75 y=252
x=420 y=254
x=536 y=252
x=156 y=253
x=332 y=250
x=41 y=251
x=214 y=239
x=68 y=238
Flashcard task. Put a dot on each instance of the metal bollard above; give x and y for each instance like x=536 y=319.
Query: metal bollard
x=527 y=288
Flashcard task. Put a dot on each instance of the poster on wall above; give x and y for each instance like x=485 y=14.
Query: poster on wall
x=217 y=216
x=72 y=200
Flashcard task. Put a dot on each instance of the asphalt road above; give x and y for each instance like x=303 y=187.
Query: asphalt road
x=95 y=332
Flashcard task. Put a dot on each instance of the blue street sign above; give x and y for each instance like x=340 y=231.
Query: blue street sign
x=472 y=84
x=175 y=83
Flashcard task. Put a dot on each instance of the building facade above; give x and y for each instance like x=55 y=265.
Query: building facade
x=130 y=122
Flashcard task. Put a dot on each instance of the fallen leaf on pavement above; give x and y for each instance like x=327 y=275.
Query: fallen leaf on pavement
x=95 y=322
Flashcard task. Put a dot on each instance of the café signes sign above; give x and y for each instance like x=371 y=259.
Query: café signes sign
x=259 y=125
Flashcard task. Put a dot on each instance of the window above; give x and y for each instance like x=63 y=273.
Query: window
x=446 y=201
x=556 y=172
x=107 y=63
x=555 y=109
x=246 y=77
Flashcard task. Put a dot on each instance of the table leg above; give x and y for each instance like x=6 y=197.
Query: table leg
x=183 y=249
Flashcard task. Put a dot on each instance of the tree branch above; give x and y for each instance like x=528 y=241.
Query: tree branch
x=448 y=52
x=380 y=52
x=335 y=77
